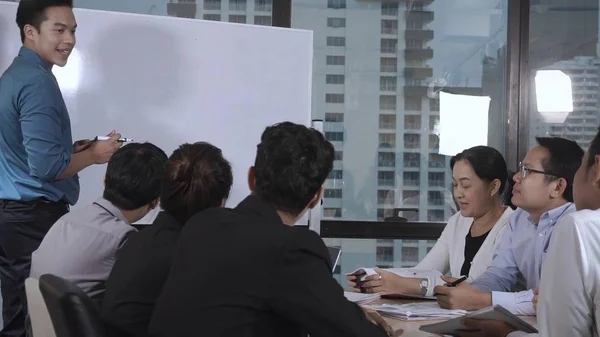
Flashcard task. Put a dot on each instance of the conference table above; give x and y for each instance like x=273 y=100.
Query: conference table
x=411 y=328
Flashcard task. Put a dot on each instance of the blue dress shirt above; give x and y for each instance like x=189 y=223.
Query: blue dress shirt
x=521 y=253
x=35 y=133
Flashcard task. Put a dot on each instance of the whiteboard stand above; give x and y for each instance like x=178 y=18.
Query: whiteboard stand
x=314 y=217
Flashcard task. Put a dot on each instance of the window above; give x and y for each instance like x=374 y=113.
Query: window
x=336 y=60
x=411 y=198
x=435 y=198
x=336 y=4
x=386 y=178
x=336 y=117
x=334 y=98
x=263 y=5
x=332 y=212
x=434 y=122
x=212 y=17
x=389 y=65
x=389 y=46
x=237 y=18
x=385 y=197
x=336 y=41
x=389 y=8
x=386 y=159
x=414 y=24
x=437 y=160
x=333 y=193
x=412 y=103
x=434 y=105
x=414 y=44
x=262 y=20
x=388 y=83
x=389 y=27
x=412 y=160
x=412 y=141
x=334 y=136
x=338 y=155
x=212 y=4
x=412 y=122
x=385 y=254
x=336 y=174
x=387 y=140
x=414 y=6
x=387 y=102
x=435 y=215
x=410 y=254
x=411 y=179
x=237 y=5
x=437 y=179
x=434 y=142
x=336 y=22
x=387 y=121
x=334 y=79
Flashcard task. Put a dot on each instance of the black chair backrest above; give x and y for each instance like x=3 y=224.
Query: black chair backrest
x=72 y=312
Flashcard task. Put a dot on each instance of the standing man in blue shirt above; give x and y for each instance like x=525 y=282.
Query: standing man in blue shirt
x=543 y=192
x=38 y=160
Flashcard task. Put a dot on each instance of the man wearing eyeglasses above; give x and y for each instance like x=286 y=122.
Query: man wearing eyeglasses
x=543 y=193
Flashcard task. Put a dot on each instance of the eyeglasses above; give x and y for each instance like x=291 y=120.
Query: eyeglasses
x=526 y=170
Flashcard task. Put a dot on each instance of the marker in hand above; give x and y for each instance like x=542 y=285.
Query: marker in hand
x=121 y=140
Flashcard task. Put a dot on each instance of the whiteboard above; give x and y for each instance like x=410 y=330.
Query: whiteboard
x=170 y=80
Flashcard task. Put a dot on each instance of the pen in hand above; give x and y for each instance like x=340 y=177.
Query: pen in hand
x=453 y=284
x=457 y=282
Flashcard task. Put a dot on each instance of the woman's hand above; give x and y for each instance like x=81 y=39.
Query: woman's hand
x=386 y=283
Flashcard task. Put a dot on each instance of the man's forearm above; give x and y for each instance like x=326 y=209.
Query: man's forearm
x=79 y=161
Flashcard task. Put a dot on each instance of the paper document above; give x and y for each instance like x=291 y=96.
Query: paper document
x=495 y=313
x=359 y=298
x=417 y=311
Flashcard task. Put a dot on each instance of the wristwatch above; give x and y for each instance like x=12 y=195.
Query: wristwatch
x=424 y=285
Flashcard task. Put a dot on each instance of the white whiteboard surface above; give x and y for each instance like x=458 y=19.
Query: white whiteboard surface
x=170 y=80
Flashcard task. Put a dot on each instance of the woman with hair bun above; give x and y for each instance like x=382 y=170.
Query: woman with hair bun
x=196 y=177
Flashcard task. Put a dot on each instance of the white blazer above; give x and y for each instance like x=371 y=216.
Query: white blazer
x=448 y=254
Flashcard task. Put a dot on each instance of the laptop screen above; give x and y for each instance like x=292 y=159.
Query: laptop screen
x=334 y=254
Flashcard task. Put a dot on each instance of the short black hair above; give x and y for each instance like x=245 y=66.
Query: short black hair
x=133 y=175
x=196 y=177
x=594 y=149
x=33 y=12
x=489 y=165
x=563 y=162
x=292 y=163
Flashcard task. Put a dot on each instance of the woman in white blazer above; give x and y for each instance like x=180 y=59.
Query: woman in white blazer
x=466 y=247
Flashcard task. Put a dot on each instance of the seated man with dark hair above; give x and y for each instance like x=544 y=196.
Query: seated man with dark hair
x=248 y=271
x=82 y=245
x=196 y=177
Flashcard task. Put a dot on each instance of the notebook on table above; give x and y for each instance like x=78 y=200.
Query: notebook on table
x=494 y=313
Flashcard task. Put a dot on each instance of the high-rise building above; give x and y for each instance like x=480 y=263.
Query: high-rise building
x=580 y=125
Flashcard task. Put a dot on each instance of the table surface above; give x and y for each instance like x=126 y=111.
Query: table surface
x=411 y=328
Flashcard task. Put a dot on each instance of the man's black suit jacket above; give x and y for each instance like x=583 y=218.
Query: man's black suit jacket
x=243 y=273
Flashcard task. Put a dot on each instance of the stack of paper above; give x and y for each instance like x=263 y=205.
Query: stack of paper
x=359 y=298
x=417 y=311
